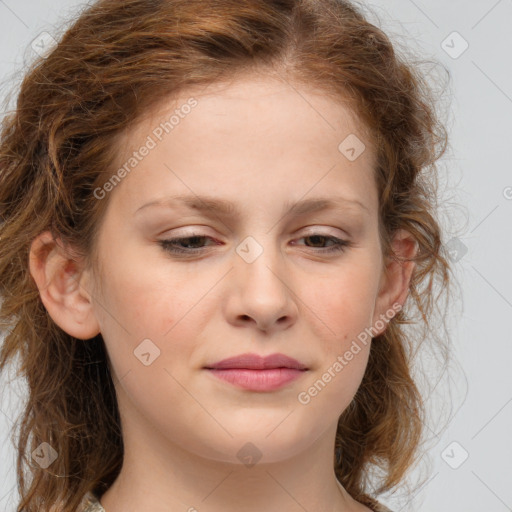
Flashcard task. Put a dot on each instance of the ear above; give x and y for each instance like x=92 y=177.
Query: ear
x=395 y=279
x=63 y=287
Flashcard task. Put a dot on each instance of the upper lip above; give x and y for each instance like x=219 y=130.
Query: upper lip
x=257 y=362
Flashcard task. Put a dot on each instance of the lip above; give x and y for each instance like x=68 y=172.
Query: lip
x=258 y=373
x=257 y=362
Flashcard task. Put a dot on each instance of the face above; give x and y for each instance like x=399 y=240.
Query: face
x=185 y=283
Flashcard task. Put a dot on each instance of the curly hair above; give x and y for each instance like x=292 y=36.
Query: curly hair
x=117 y=60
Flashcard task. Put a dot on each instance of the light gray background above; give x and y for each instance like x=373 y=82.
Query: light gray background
x=477 y=175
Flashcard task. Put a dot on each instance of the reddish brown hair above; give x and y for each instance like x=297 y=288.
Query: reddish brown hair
x=117 y=61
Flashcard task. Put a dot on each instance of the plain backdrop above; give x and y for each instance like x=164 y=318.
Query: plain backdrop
x=471 y=457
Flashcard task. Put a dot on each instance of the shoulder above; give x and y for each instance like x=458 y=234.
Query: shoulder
x=377 y=507
x=90 y=503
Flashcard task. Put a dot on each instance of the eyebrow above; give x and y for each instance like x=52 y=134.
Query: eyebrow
x=228 y=208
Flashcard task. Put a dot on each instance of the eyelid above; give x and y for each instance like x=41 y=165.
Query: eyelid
x=171 y=245
x=312 y=228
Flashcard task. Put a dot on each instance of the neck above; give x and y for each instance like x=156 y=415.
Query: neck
x=174 y=479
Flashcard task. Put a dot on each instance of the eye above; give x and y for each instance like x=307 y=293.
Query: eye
x=194 y=244
x=175 y=245
x=338 y=245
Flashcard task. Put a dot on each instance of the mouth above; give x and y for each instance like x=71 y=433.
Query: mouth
x=257 y=362
x=257 y=373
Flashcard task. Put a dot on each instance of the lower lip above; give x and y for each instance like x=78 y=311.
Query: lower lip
x=258 y=380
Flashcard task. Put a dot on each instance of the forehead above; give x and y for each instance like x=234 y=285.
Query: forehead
x=259 y=103
x=253 y=98
x=244 y=134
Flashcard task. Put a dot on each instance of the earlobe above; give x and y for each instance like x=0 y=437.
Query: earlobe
x=396 y=279
x=63 y=287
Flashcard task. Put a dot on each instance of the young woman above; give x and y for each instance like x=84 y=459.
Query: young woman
x=217 y=218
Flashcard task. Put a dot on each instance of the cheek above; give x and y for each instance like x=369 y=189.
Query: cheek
x=342 y=304
x=140 y=303
x=340 y=309
x=146 y=292
x=147 y=329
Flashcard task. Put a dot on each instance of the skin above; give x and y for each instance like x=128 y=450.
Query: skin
x=258 y=142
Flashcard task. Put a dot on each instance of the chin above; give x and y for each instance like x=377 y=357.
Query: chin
x=251 y=446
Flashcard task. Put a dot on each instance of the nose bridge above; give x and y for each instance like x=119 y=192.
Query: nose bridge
x=261 y=286
x=259 y=261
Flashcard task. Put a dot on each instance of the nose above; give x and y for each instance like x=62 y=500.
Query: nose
x=261 y=292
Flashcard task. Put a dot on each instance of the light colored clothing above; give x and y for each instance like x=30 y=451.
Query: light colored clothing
x=90 y=503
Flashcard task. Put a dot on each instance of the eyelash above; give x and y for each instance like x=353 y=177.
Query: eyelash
x=170 y=244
